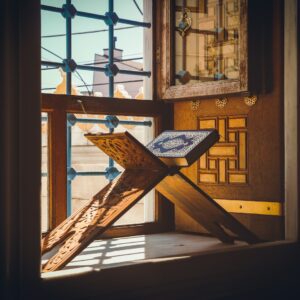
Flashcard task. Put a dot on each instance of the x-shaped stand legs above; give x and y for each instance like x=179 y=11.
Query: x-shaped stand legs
x=143 y=172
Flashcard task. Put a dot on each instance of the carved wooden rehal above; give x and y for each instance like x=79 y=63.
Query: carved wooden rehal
x=143 y=172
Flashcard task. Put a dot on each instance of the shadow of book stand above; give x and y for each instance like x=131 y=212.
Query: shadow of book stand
x=155 y=166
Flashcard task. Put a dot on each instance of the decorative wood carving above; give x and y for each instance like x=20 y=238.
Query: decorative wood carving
x=143 y=172
x=250 y=100
x=124 y=149
x=76 y=232
x=226 y=162
x=195 y=105
x=221 y=103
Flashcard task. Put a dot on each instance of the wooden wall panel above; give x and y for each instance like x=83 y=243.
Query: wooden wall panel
x=260 y=156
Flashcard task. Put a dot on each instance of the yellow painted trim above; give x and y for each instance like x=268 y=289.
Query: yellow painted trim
x=252 y=207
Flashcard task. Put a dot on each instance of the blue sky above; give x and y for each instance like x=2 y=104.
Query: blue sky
x=86 y=45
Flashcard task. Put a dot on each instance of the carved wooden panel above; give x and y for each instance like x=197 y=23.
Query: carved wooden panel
x=202 y=208
x=76 y=232
x=225 y=162
x=126 y=151
x=143 y=174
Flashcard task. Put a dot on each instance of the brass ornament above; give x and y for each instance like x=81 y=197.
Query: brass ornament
x=195 y=105
x=221 y=103
x=185 y=23
x=250 y=100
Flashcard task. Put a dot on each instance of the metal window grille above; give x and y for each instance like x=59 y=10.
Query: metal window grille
x=69 y=11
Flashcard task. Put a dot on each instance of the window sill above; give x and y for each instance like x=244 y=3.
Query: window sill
x=215 y=269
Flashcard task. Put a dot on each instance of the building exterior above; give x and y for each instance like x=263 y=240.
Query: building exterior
x=126 y=86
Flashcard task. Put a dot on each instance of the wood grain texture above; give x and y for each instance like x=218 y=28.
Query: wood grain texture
x=76 y=232
x=143 y=171
x=203 y=209
x=57 y=142
x=126 y=151
x=102 y=105
x=265 y=141
x=291 y=113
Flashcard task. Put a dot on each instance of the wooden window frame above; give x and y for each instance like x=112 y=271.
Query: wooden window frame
x=57 y=107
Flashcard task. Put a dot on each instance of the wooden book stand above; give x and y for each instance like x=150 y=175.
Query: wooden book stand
x=156 y=166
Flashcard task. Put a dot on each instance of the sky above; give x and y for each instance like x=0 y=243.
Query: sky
x=84 y=46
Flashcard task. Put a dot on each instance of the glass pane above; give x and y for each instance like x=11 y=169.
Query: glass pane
x=93 y=34
x=127 y=9
x=53 y=48
x=56 y=3
x=98 y=7
x=206 y=40
x=88 y=159
x=90 y=48
x=44 y=188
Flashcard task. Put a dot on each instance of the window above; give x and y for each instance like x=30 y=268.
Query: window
x=109 y=65
x=20 y=213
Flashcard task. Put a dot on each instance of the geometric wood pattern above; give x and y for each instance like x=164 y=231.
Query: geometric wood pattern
x=144 y=172
x=225 y=162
